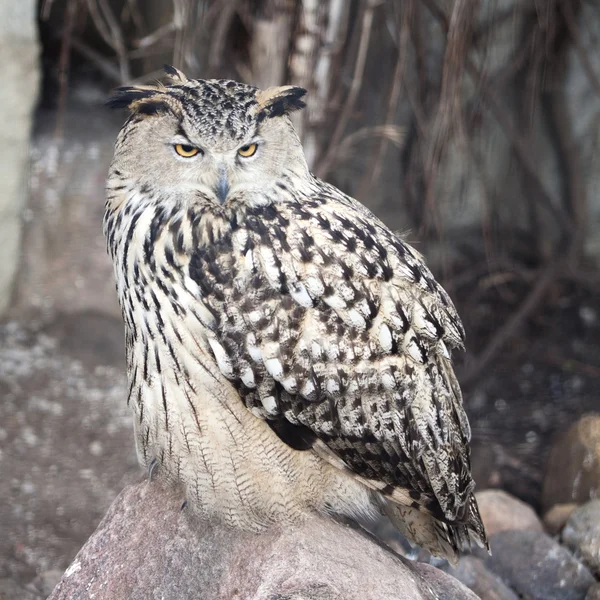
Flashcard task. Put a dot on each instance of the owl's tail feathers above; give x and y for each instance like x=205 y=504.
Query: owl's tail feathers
x=444 y=540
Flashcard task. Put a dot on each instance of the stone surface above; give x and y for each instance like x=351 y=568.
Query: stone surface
x=573 y=469
x=593 y=592
x=501 y=511
x=477 y=577
x=582 y=534
x=556 y=517
x=537 y=567
x=147 y=547
x=66 y=442
x=19 y=50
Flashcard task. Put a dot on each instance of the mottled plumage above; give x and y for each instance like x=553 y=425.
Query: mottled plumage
x=286 y=351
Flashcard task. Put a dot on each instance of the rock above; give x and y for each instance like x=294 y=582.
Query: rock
x=476 y=576
x=556 y=517
x=147 y=547
x=19 y=49
x=582 y=534
x=573 y=471
x=501 y=511
x=593 y=592
x=537 y=567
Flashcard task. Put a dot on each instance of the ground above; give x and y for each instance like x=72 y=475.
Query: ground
x=67 y=444
x=66 y=441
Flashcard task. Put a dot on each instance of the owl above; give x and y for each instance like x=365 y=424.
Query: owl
x=286 y=352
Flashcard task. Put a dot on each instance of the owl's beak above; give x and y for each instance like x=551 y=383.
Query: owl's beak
x=222 y=188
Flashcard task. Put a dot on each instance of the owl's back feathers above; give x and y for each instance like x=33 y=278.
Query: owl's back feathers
x=337 y=334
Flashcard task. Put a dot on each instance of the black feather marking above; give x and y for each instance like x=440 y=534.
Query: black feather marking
x=123 y=97
x=297 y=437
x=283 y=104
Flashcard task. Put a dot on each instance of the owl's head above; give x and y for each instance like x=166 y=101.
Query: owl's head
x=211 y=140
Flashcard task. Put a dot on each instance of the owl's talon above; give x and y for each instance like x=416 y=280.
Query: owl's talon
x=151 y=468
x=185 y=503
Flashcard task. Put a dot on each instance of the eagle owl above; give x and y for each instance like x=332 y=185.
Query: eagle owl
x=286 y=352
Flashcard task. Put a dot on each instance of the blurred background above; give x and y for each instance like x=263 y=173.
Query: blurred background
x=471 y=127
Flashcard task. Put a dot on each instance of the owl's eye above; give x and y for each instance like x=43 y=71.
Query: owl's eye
x=186 y=151
x=248 y=151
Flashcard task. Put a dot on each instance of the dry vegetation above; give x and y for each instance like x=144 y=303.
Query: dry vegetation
x=442 y=69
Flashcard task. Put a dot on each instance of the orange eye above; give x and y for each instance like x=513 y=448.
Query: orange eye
x=248 y=151
x=186 y=151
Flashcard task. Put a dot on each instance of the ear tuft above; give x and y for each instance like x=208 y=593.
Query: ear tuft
x=175 y=74
x=148 y=100
x=279 y=101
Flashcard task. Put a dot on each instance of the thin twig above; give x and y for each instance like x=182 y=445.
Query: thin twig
x=103 y=64
x=156 y=36
x=63 y=70
x=374 y=170
x=363 y=47
x=548 y=275
x=522 y=149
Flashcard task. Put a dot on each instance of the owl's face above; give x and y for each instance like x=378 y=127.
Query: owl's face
x=211 y=142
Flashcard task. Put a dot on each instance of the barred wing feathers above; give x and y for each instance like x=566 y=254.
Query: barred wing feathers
x=335 y=330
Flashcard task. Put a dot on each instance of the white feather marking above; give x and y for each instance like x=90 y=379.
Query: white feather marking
x=249 y=260
x=336 y=302
x=347 y=292
x=397 y=321
x=247 y=377
x=412 y=348
x=387 y=379
x=192 y=287
x=356 y=319
x=240 y=238
x=421 y=324
x=308 y=388
x=314 y=286
x=253 y=350
x=332 y=386
x=290 y=385
x=316 y=350
x=270 y=265
x=300 y=294
x=385 y=337
x=443 y=350
x=223 y=360
x=270 y=404
x=254 y=316
x=275 y=368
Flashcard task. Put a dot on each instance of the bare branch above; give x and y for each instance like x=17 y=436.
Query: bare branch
x=365 y=36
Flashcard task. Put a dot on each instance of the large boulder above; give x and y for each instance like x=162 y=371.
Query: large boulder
x=500 y=511
x=582 y=533
x=573 y=470
x=537 y=567
x=148 y=547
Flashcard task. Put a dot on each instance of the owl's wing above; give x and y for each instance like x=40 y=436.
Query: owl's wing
x=336 y=332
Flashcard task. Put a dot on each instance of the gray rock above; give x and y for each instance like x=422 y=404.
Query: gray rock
x=537 y=567
x=556 y=518
x=573 y=471
x=593 y=592
x=147 y=547
x=501 y=511
x=477 y=577
x=582 y=533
